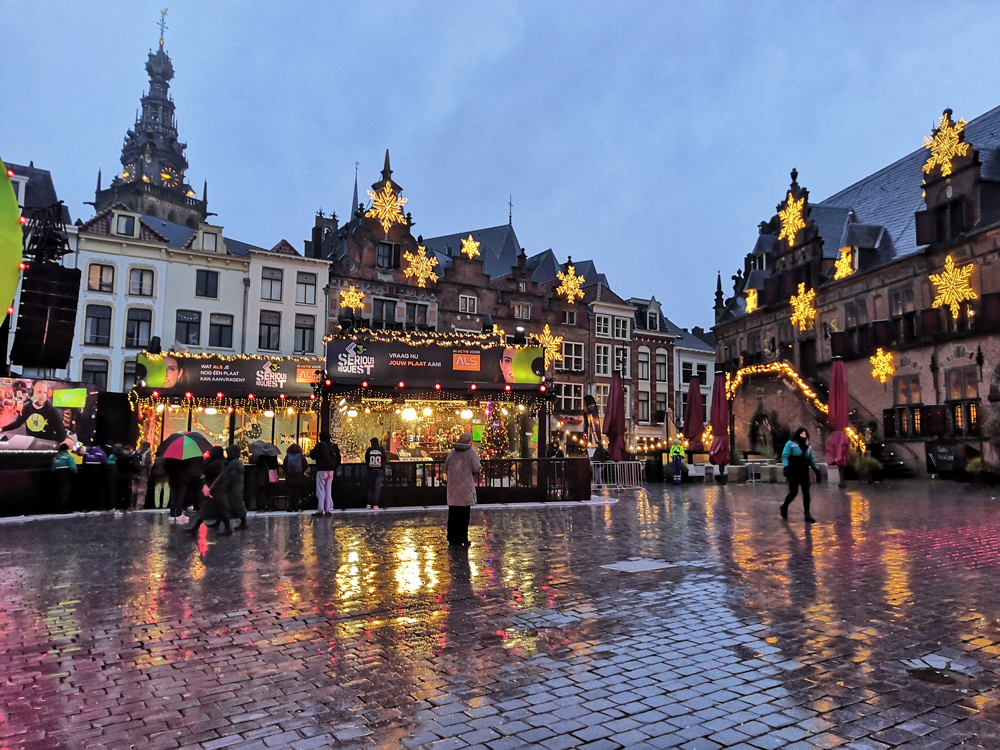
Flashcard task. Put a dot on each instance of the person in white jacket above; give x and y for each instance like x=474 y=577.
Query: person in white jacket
x=461 y=469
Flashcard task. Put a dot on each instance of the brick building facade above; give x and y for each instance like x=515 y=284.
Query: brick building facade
x=902 y=266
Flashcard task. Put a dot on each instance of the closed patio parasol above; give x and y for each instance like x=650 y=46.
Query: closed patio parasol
x=838 y=444
x=719 y=452
x=614 y=418
x=694 y=417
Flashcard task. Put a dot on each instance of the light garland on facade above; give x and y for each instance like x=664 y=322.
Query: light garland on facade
x=245 y=405
x=946 y=144
x=470 y=248
x=424 y=338
x=784 y=369
x=421 y=266
x=551 y=344
x=803 y=308
x=352 y=298
x=570 y=284
x=844 y=265
x=319 y=361
x=751 y=300
x=791 y=219
x=952 y=286
x=882 y=366
x=387 y=207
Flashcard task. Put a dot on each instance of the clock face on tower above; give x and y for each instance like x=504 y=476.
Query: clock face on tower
x=168 y=177
x=128 y=173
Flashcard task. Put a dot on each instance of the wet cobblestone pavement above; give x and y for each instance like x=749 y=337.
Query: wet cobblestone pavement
x=878 y=627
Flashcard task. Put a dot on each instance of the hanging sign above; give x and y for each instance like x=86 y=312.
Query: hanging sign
x=203 y=377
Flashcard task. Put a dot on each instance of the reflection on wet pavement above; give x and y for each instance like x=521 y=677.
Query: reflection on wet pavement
x=878 y=627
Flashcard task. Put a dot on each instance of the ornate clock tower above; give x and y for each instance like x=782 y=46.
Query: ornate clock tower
x=153 y=163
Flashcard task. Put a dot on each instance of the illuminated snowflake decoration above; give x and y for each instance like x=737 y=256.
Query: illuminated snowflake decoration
x=882 y=366
x=352 y=298
x=551 y=344
x=844 y=265
x=946 y=144
x=791 y=219
x=751 y=300
x=470 y=248
x=421 y=266
x=952 y=286
x=387 y=207
x=570 y=283
x=803 y=308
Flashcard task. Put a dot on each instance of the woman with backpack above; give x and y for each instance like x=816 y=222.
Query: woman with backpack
x=295 y=473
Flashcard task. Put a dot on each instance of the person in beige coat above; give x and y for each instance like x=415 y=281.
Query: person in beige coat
x=461 y=469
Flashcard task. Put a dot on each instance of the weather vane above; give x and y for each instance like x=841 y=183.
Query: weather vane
x=163 y=24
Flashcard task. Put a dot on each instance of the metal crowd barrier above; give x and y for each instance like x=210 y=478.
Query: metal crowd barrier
x=616 y=475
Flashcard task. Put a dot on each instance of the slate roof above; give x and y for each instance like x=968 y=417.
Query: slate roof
x=177 y=235
x=601 y=292
x=498 y=248
x=685 y=339
x=641 y=319
x=40 y=191
x=891 y=196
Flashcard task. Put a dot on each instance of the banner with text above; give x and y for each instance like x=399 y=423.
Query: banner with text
x=384 y=364
x=174 y=375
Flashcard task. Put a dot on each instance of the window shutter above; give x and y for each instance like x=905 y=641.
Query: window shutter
x=838 y=343
x=396 y=249
x=788 y=286
x=926 y=228
x=889 y=423
x=536 y=312
x=883 y=332
x=990 y=308
x=934 y=421
x=770 y=291
x=930 y=321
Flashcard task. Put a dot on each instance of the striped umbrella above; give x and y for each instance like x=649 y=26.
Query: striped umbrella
x=184 y=445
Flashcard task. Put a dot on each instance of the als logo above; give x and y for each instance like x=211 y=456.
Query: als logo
x=269 y=377
x=354 y=361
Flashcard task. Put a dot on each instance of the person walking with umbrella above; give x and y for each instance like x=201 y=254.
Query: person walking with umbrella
x=213 y=504
x=184 y=452
x=798 y=459
x=461 y=468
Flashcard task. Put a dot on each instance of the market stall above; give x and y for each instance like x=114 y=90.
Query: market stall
x=418 y=392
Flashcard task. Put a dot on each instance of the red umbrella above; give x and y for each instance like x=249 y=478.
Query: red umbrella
x=719 y=453
x=614 y=418
x=838 y=444
x=694 y=417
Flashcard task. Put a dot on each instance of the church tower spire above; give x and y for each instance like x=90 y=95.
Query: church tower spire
x=153 y=177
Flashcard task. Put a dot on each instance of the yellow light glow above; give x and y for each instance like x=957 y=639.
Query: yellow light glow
x=387 y=207
x=409 y=414
x=427 y=411
x=570 y=284
x=290 y=410
x=159 y=408
x=498 y=331
x=269 y=414
x=751 y=300
x=945 y=144
x=952 y=286
x=470 y=248
x=803 y=308
x=466 y=414
x=211 y=411
x=791 y=219
x=352 y=413
x=882 y=366
x=844 y=266
x=352 y=298
x=552 y=346
x=421 y=266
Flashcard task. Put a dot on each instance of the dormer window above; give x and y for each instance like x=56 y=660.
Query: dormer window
x=652 y=321
x=758 y=263
x=125 y=225
x=209 y=242
x=521 y=286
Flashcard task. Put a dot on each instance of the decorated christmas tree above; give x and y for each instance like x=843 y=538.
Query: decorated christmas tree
x=494 y=443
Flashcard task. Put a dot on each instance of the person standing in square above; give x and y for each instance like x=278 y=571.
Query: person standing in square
x=461 y=469
x=375 y=460
x=326 y=454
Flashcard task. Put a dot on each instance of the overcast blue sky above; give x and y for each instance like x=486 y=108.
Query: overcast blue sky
x=650 y=137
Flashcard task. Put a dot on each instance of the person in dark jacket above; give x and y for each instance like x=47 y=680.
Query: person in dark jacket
x=326 y=454
x=375 y=460
x=267 y=481
x=798 y=459
x=95 y=465
x=295 y=465
x=123 y=477
x=185 y=483
x=234 y=485
x=64 y=470
x=214 y=504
